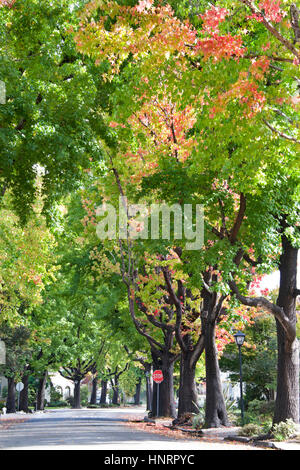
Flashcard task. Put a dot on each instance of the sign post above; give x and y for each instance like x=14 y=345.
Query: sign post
x=19 y=388
x=158 y=377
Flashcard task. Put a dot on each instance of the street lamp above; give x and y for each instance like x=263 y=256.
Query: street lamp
x=148 y=391
x=239 y=339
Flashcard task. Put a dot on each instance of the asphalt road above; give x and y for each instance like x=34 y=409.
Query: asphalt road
x=89 y=429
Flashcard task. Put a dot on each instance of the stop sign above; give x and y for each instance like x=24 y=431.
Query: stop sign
x=158 y=376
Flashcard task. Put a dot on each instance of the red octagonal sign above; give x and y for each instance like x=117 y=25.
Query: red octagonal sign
x=158 y=376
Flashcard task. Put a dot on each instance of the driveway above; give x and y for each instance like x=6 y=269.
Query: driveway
x=94 y=429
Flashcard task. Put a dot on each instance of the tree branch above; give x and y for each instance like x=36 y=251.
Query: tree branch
x=198 y=349
x=150 y=318
x=239 y=219
x=224 y=228
x=123 y=370
x=277 y=311
x=178 y=307
x=281 y=134
x=251 y=261
x=294 y=12
x=287 y=44
x=271 y=57
x=155 y=344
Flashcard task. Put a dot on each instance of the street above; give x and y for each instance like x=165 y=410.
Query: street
x=100 y=429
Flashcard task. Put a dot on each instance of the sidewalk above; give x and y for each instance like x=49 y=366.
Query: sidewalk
x=18 y=415
x=8 y=420
x=231 y=434
x=212 y=436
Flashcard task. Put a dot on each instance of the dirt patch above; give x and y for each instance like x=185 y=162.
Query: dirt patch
x=9 y=422
x=160 y=427
x=165 y=428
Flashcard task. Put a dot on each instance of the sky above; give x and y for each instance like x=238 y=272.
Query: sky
x=271 y=281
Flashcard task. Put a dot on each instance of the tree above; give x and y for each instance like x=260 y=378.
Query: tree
x=83 y=344
x=46 y=122
x=24 y=271
x=109 y=274
x=143 y=360
x=18 y=354
x=23 y=262
x=284 y=311
x=76 y=373
x=259 y=359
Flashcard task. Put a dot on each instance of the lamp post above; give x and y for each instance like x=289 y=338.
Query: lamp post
x=148 y=390
x=239 y=339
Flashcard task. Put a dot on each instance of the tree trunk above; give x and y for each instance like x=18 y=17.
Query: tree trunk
x=137 y=395
x=287 y=396
x=188 y=396
x=162 y=359
x=115 y=398
x=24 y=395
x=215 y=412
x=11 y=396
x=77 y=403
x=93 y=399
x=103 y=392
x=40 y=398
x=115 y=387
x=166 y=406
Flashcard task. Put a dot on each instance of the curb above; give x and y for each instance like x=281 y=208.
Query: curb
x=266 y=444
x=189 y=431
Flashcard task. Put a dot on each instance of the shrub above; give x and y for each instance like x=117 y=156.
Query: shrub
x=55 y=394
x=31 y=396
x=58 y=404
x=267 y=425
x=84 y=393
x=261 y=407
x=108 y=405
x=250 y=430
x=70 y=400
x=284 y=430
x=198 y=419
x=231 y=408
x=259 y=411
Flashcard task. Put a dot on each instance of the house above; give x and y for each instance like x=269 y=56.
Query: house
x=62 y=385
x=231 y=391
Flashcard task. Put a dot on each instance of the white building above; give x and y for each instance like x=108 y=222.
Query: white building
x=62 y=385
x=231 y=391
